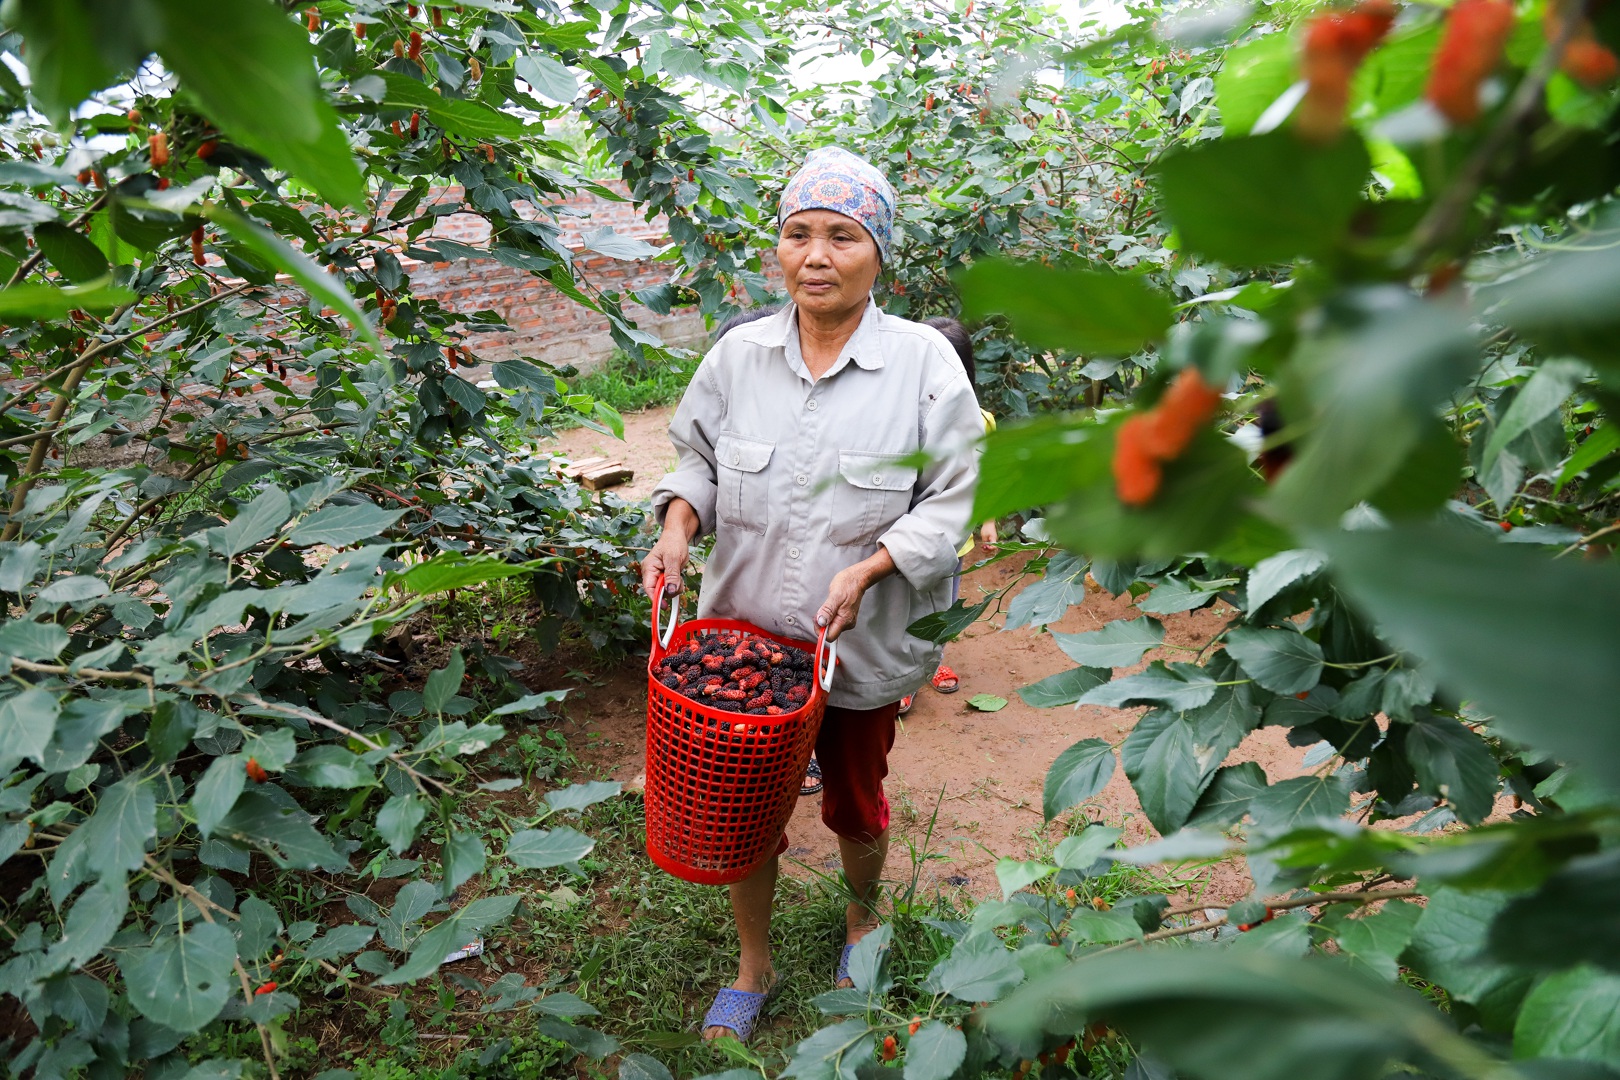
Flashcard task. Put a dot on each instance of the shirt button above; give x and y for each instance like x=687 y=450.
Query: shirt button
x=736 y=459
x=792 y=621
x=811 y=405
x=793 y=553
x=801 y=479
x=877 y=478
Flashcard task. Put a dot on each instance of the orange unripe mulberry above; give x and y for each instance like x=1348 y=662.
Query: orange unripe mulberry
x=1470 y=48
x=1136 y=472
x=197 y=247
x=890 y=1047
x=158 y=147
x=1335 y=46
x=415 y=51
x=1589 y=62
x=220 y=447
x=1149 y=439
x=267 y=988
x=255 y=771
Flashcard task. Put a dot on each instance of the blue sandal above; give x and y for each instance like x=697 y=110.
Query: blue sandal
x=738 y=1010
x=842 y=972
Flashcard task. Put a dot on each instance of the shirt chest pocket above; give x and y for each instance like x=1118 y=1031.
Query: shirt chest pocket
x=740 y=470
x=871 y=493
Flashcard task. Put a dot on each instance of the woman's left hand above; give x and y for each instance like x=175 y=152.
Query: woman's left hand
x=842 y=607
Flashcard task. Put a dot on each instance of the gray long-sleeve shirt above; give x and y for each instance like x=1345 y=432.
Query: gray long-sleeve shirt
x=799 y=478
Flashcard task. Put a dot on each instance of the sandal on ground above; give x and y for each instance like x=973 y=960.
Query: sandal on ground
x=945 y=680
x=738 y=1010
x=812 y=779
x=842 y=971
x=906 y=703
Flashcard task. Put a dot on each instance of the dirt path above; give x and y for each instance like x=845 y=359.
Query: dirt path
x=984 y=772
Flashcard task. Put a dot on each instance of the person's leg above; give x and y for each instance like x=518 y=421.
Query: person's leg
x=751 y=908
x=854 y=748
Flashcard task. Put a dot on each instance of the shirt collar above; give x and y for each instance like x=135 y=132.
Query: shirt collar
x=862 y=348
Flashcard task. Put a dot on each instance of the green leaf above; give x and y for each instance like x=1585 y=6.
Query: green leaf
x=577 y=797
x=339 y=526
x=642 y=1067
x=1080 y=852
x=1572 y=1014
x=1570 y=919
x=1064 y=688
x=1454 y=764
x=935 y=1052
x=593 y=1044
x=29 y=721
x=47 y=303
x=256 y=523
x=1446 y=949
x=1038 y=463
x=32 y=640
x=236 y=56
x=442 y=684
x=979 y=968
x=548 y=77
x=116 y=834
x=398 y=821
x=540 y=849
x=1536 y=650
x=1264 y=199
x=328 y=766
x=1563 y=302
x=344 y=940
x=1229 y=795
x=1160 y=758
x=869 y=962
x=943 y=626
x=1178 y=595
x=1282 y=661
x=1049 y=599
x=1252 y=76
x=1538 y=399
x=284 y=257
x=71 y=252
x=1121 y=643
x=1300 y=801
x=607 y=242
x=182 y=981
x=833 y=1053
x=68 y=54
x=1078 y=774
x=987 y=702
x=530 y=703
x=1272 y=575
x=457 y=116
x=452 y=570
x=1179 y=686
x=1374 y=395
x=454 y=932
x=284 y=833
x=1236 y=1014
x=1376 y=941
x=1013 y=875
x=562 y=1003
x=1095 y=312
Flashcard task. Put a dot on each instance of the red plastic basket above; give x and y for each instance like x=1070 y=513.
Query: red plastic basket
x=721 y=785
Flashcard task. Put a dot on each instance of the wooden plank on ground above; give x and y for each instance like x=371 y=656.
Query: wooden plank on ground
x=607 y=476
x=574 y=470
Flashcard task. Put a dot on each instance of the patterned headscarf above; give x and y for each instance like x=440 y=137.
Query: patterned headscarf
x=835 y=179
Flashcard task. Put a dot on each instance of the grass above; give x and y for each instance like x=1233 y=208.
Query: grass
x=630 y=387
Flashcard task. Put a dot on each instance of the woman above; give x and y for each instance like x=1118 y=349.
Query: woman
x=798 y=444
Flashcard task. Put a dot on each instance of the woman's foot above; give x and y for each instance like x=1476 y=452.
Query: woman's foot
x=748 y=1009
x=945 y=680
x=906 y=703
x=859 y=923
x=812 y=779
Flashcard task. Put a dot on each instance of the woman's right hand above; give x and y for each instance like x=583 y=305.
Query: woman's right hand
x=667 y=559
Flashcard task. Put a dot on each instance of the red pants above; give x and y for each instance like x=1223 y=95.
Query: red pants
x=853 y=748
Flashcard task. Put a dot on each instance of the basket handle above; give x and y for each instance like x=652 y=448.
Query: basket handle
x=668 y=634
x=826 y=660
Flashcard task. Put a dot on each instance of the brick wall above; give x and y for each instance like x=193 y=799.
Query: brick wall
x=546 y=324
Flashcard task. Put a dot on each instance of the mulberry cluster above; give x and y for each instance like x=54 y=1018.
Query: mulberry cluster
x=740 y=673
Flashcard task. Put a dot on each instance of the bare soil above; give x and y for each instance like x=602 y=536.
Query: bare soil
x=977 y=775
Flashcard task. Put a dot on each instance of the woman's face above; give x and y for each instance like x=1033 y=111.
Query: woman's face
x=830 y=262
